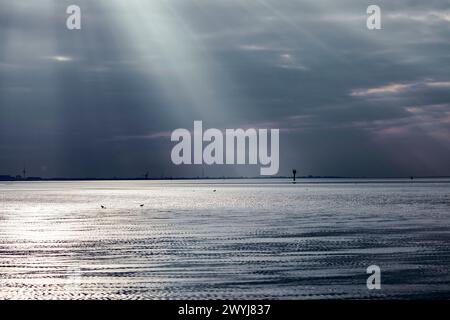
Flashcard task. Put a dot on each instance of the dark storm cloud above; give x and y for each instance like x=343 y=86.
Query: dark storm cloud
x=102 y=101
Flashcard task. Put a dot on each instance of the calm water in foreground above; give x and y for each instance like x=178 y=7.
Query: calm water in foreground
x=248 y=240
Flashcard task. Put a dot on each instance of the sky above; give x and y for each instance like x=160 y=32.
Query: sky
x=102 y=101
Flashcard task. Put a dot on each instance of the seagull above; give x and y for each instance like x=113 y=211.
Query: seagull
x=103 y=207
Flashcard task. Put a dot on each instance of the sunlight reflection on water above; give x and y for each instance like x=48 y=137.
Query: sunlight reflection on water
x=254 y=240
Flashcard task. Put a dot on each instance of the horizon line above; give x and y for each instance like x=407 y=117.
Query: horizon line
x=9 y=178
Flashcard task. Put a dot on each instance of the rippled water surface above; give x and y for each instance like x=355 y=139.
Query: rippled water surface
x=246 y=240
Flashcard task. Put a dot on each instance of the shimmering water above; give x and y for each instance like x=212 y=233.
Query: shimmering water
x=247 y=240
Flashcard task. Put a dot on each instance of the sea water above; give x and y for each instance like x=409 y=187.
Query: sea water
x=234 y=239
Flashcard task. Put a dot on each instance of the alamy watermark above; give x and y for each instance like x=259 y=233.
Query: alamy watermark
x=73 y=21
x=240 y=146
x=374 y=280
x=373 y=21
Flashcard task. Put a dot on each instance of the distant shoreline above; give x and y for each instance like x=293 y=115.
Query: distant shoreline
x=36 y=179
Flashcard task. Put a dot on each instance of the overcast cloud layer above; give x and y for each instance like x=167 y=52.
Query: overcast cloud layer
x=102 y=102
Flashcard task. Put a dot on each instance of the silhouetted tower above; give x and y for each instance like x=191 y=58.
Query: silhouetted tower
x=294 y=172
x=24 y=173
x=146 y=175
